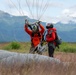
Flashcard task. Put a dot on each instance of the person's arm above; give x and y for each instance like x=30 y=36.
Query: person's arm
x=42 y=28
x=27 y=29
x=52 y=38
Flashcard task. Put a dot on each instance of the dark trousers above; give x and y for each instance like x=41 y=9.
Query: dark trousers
x=51 y=51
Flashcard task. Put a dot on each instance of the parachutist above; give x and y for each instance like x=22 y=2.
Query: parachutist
x=36 y=35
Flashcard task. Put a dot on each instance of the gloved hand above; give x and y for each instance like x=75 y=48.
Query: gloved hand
x=26 y=22
x=39 y=22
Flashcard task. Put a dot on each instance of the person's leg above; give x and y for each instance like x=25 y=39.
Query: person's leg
x=51 y=51
x=38 y=50
x=32 y=50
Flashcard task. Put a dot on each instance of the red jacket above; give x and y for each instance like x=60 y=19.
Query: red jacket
x=50 y=37
x=35 y=39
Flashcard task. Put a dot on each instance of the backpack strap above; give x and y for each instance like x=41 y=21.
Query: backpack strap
x=50 y=32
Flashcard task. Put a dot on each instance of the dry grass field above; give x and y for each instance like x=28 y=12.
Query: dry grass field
x=67 y=65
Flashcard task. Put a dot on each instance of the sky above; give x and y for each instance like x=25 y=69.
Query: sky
x=45 y=10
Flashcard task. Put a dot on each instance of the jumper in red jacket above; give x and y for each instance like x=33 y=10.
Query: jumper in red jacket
x=51 y=36
x=36 y=38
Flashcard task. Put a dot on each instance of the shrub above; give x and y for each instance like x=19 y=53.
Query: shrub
x=13 y=45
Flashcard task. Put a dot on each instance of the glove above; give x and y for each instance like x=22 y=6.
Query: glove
x=26 y=22
x=39 y=22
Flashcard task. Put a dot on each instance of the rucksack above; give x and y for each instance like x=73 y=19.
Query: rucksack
x=58 y=40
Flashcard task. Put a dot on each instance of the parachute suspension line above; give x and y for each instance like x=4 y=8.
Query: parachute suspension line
x=37 y=9
x=29 y=8
x=40 y=7
x=32 y=7
x=44 y=9
x=4 y=18
x=20 y=9
x=9 y=7
x=21 y=13
x=15 y=7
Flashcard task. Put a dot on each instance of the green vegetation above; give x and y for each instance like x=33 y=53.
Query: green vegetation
x=13 y=45
x=23 y=47
x=67 y=47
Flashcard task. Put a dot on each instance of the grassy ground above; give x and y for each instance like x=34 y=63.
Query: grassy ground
x=67 y=51
x=67 y=47
x=64 y=54
x=25 y=47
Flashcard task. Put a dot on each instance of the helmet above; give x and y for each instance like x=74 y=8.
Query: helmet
x=35 y=28
x=49 y=25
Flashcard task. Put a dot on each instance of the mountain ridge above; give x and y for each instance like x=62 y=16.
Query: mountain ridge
x=12 y=27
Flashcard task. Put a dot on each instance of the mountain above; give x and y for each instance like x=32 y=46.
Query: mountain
x=65 y=27
x=67 y=31
x=12 y=29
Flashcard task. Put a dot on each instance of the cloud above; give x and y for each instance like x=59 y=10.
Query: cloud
x=16 y=7
x=18 y=13
x=68 y=14
x=65 y=16
x=58 y=10
x=56 y=4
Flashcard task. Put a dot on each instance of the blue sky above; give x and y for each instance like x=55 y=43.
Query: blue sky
x=57 y=10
